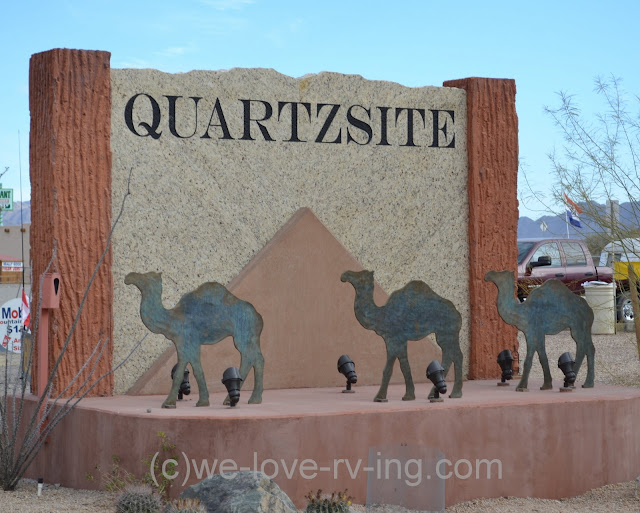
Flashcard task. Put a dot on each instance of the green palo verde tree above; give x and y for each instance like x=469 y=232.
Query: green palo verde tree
x=22 y=435
x=598 y=167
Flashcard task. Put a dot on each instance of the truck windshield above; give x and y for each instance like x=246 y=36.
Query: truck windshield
x=523 y=250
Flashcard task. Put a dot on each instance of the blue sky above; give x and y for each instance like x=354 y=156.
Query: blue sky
x=545 y=46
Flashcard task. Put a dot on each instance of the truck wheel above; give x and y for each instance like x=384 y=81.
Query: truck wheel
x=625 y=307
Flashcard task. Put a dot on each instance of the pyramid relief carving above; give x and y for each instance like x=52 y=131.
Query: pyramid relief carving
x=309 y=321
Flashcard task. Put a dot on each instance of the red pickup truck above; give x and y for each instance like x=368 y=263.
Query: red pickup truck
x=567 y=260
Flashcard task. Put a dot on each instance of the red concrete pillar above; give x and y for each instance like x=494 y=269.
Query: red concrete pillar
x=70 y=168
x=492 y=146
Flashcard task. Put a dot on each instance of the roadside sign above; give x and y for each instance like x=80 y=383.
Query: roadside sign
x=11 y=325
x=6 y=199
x=11 y=267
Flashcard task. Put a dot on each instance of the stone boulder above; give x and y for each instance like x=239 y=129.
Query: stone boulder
x=240 y=492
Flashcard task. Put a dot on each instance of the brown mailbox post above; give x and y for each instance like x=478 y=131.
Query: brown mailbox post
x=50 y=299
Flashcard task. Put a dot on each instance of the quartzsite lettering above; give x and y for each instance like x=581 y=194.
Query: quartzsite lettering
x=259 y=115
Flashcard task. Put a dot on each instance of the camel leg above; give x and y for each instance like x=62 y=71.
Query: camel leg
x=451 y=353
x=257 y=363
x=246 y=363
x=591 y=356
x=584 y=347
x=250 y=357
x=544 y=361
x=531 y=349
x=203 y=391
x=381 y=396
x=579 y=356
x=170 y=401
x=456 y=392
x=410 y=393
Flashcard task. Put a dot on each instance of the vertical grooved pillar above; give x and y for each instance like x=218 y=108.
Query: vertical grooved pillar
x=492 y=146
x=70 y=168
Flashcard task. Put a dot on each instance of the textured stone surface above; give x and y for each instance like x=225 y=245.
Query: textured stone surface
x=240 y=492
x=201 y=209
x=70 y=169
x=493 y=213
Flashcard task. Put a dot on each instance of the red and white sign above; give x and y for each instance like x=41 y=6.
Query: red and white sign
x=11 y=267
x=11 y=325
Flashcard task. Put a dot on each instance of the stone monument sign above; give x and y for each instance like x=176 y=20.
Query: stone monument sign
x=413 y=183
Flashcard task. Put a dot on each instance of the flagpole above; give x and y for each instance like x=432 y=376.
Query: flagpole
x=21 y=208
x=566 y=220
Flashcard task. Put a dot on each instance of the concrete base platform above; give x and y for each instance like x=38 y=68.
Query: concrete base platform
x=548 y=444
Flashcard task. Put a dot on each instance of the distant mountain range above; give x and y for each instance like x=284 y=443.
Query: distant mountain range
x=12 y=218
x=556 y=226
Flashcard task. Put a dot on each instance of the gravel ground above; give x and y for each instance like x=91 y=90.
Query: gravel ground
x=616 y=363
x=25 y=500
x=619 y=498
x=616 y=358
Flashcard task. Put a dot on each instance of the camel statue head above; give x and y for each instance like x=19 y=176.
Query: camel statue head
x=142 y=280
x=358 y=279
x=500 y=278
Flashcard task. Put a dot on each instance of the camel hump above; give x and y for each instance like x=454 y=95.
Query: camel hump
x=210 y=293
x=554 y=293
x=419 y=297
x=552 y=287
x=214 y=294
x=419 y=291
x=212 y=289
x=417 y=287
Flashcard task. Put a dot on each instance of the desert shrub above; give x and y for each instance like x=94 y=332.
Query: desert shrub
x=138 y=499
x=338 y=502
x=185 y=506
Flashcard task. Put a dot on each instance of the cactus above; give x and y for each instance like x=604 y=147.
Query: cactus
x=185 y=506
x=138 y=499
x=339 y=502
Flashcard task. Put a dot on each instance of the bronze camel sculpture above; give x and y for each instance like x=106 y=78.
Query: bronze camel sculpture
x=206 y=315
x=548 y=310
x=411 y=313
